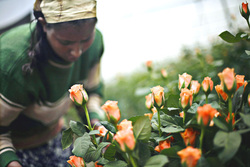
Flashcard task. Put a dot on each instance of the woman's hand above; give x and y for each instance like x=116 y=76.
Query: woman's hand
x=14 y=164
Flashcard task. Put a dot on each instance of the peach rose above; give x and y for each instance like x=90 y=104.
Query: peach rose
x=148 y=102
x=206 y=113
x=184 y=80
x=240 y=81
x=125 y=125
x=78 y=94
x=96 y=164
x=227 y=77
x=125 y=137
x=190 y=156
x=164 y=73
x=248 y=99
x=76 y=161
x=150 y=115
x=149 y=65
x=207 y=85
x=221 y=93
x=158 y=98
x=195 y=87
x=186 y=98
x=189 y=136
x=112 y=110
x=164 y=144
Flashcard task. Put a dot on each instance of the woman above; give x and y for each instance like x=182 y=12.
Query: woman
x=38 y=64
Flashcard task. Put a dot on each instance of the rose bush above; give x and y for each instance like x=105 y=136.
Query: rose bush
x=197 y=133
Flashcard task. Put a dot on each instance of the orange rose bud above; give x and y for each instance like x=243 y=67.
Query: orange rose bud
x=76 y=161
x=186 y=98
x=248 y=99
x=164 y=73
x=158 y=98
x=181 y=114
x=149 y=65
x=205 y=114
x=96 y=164
x=190 y=156
x=164 y=144
x=221 y=93
x=150 y=115
x=244 y=10
x=240 y=81
x=195 y=87
x=154 y=110
x=126 y=139
x=228 y=118
x=125 y=125
x=228 y=81
x=78 y=94
x=189 y=136
x=103 y=131
x=207 y=85
x=148 y=102
x=112 y=111
x=184 y=80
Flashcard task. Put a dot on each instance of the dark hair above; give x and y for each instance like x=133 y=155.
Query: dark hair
x=38 y=38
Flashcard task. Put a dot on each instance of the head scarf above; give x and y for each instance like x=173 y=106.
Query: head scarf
x=56 y=11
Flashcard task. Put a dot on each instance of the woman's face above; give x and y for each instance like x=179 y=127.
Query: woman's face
x=70 y=41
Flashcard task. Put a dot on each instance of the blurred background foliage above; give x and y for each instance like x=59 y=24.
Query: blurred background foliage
x=200 y=61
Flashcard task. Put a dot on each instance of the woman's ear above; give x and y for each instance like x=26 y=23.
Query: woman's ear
x=43 y=23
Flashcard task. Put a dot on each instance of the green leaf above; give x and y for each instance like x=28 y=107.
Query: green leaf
x=170 y=125
x=67 y=138
x=77 y=127
x=237 y=99
x=228 y=37
x=116 y=163
x=221 y=123
x=246 y=118
x=229 y=142
x=248 y=53
x=94 y=132
x=109 y=126
x=81 y=145
x=99 y=150
x=142 y=128
x=110 y=153
x=157 y=161
x=88 y=157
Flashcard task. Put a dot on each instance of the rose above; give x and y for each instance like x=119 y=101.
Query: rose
x=164 y=73
x=164 y=144
x=221 y=93
x=190 y=156
x=112 y=111
x=195 y=87
x=240 y=81
x=205 y=114
x=125 y=125
x=148 y=102
x=158 y=98
x=228 y=81
x=244 y=10
x=149 y=65
x=149 y=115
x=184 y=80
x=76 y=161
x=96 y=164
x=103 y=131
x=186 y=98
x=248 y=99
x=207 y=85
x=189 y=136
x=126 y=139
x=78 y=94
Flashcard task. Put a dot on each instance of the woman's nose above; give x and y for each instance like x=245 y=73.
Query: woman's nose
x=76 y=50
